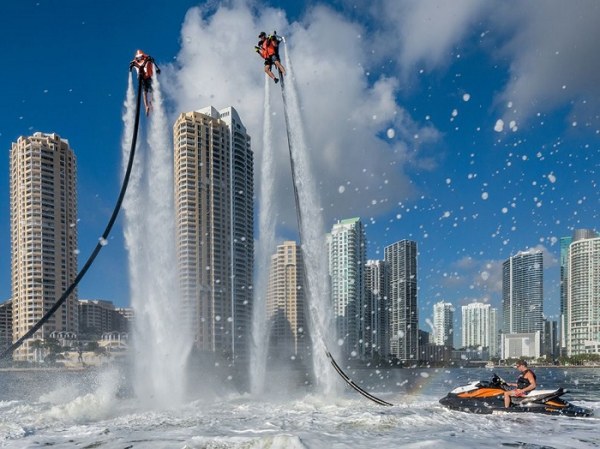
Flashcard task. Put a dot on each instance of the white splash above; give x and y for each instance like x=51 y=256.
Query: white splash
x=265 y=247
x=161 y=343
x=313 y=244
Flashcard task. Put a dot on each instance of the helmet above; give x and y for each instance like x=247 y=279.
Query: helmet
x=262 y=35
x=139 y=54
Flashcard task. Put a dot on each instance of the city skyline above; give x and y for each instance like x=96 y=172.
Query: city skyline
x=458 y=160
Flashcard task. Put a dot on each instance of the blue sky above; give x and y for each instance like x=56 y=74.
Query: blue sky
x=471 y=127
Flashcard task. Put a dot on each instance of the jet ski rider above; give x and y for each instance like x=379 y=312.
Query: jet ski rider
x=525 y=383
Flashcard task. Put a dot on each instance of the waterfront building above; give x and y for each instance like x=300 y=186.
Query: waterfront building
x=214 y=191
x=43 y=221
x=523 y=294
x=347 y=259
x=479 y=327
x=286 y=303
x=550 y=341
x=128 y=313
x=376 y=297
x=565 y=242
x=583 y=294
x=401 y=261
x=443 y=324
x=97 y=317
x=519 y=345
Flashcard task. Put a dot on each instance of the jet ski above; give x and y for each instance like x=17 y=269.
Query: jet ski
x=486 y=397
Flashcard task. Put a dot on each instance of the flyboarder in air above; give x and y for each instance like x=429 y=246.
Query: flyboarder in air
x=144 y=64
x=268 y=49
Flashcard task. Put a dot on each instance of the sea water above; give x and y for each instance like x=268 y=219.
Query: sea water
x=90 y=409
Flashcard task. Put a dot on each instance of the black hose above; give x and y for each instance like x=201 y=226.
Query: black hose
x=337 y=368
x=101 y=243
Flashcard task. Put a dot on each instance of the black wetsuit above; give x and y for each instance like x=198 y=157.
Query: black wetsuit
x=522 y=381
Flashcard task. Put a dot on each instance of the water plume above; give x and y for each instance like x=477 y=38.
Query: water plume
x=161 y=344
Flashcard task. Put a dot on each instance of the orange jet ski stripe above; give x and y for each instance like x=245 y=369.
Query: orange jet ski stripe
x=481 y=393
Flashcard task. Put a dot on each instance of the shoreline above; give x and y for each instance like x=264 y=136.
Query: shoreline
x=94 y=367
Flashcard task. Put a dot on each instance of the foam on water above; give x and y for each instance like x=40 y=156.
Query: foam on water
x=264 y=442
x=312 y=421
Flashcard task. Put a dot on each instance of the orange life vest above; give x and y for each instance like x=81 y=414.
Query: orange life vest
x=267 y=49
x=143 y=64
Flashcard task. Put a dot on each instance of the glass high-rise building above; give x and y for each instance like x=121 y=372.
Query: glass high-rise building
x=214 y=189
x=347 y=259
x=583 y=294
x=565 y=242
x=523 y=293
x=43 y=217
x=443 y=324
x=377 y=316
x=401 y=261
x=286 y=302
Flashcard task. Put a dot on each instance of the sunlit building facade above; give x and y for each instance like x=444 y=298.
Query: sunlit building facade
x=401 y=261
x=583 y=295
x=480 y=327
x=443 y=324
x=523 y=293
x=347 y=259
x=286 y=302
x=214 y=224
x=43 y=219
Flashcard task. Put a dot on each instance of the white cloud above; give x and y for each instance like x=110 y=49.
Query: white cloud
x=348 y=114
x=345 y=117
x=553 y=49
x=550 y=48
x=550 y=260
x=424 y=33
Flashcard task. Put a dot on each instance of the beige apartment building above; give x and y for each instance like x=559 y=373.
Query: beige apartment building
x=214 y=207
x=286 y=302
x=43 y=209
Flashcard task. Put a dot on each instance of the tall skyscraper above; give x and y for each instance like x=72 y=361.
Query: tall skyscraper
x=583 y=294
x=376 y=297
x=43 y=210
x=347 y=259
x=214 y=220
x=286 y=302
x=401 y=261
x=565 y=242
x=479 y=327
x=523 y=293
x=443 y=324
